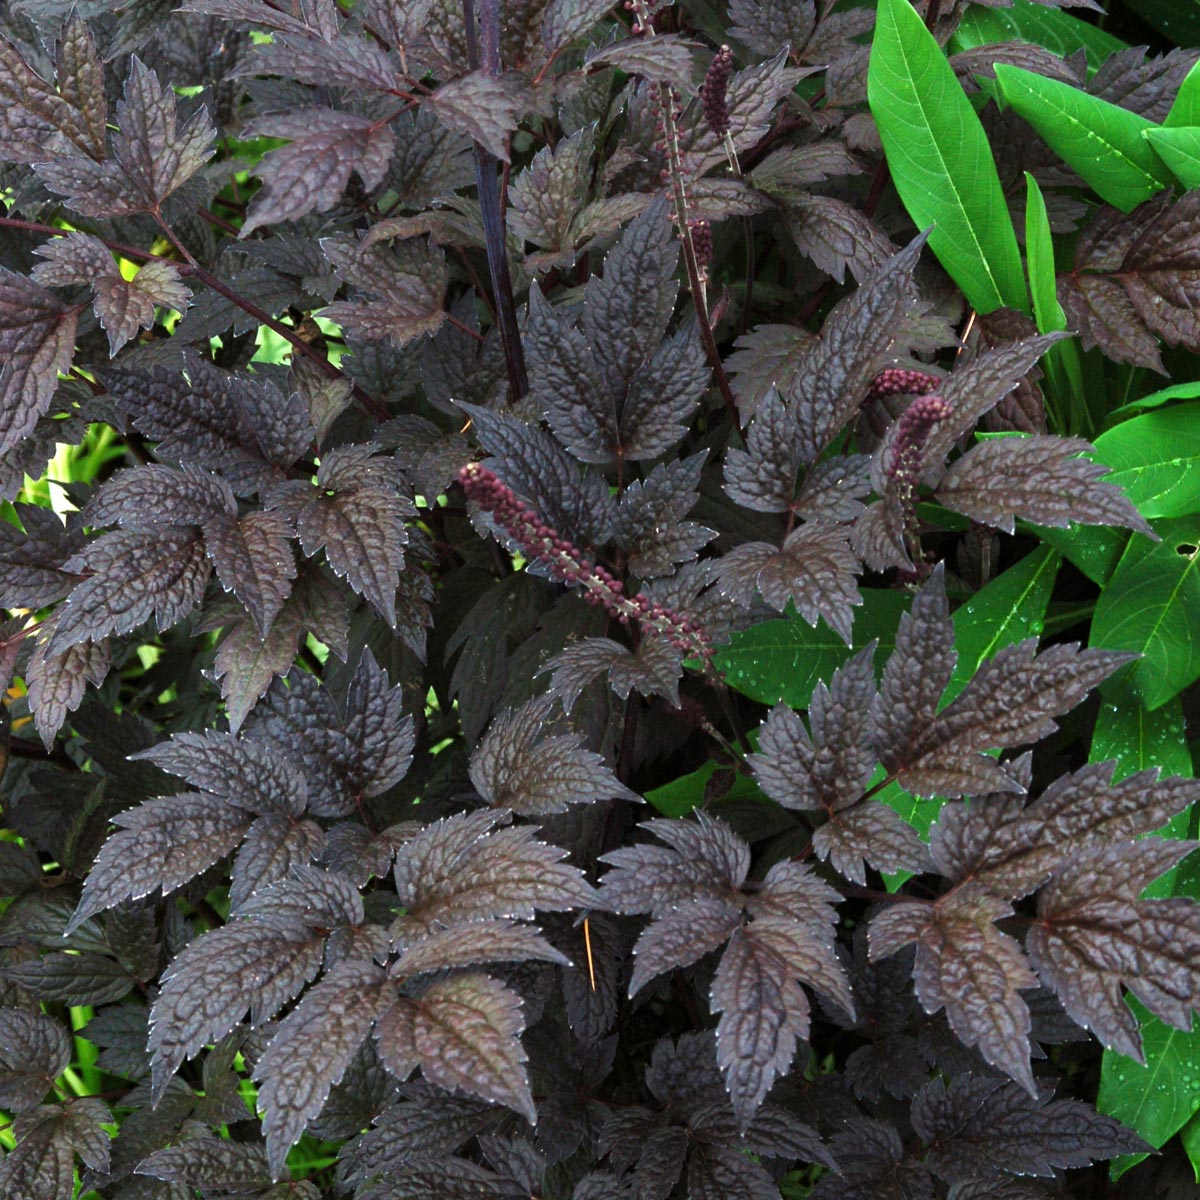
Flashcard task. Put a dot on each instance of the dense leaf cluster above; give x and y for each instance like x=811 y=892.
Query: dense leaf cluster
x=409 y=410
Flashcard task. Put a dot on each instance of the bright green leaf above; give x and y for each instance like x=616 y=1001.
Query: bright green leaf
x=1189 y=1137
x=1025 y=21
x=1156 y=459
x=1062 y=360
x=1139 y=740
x=680 y=796
x=1102 y=142
x=1094 y=549
x=785 y=660
x=1151 y=606
x=940 y=160
x=1158 y=1099
x=1177 y=391
x=1186 y=108
x=1180 y=150
x=1009 y=609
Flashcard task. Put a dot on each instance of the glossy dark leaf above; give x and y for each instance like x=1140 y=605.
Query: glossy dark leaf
x=160 y=844
x=1094 y=935
x=145 y=497
x=313 y=1048
x=152 y=154
x=915 y=676
x=33 y=1050
x=873 y=1165
x=37 y=334
x=82 y=978
x=468 y=946
x=244 y=428
x=465 y=1034
x=977 y=388
x=984 y=1127
x=1040 y=479
x=246 y=774
x=481 y=107
x=855 y=340
x=211 y=1163
x=461 y=869
x=243 y=966
x=969 y=967
x=311 y=173
x=830 y=769
x=401 y=288
x=57 y=683
x=814 y=570
x=522 y=765
x=1011 y=849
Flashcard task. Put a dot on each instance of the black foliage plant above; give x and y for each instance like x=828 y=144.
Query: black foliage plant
x=445 y=388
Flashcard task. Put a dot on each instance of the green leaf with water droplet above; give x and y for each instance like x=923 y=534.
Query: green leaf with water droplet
x=785 y=660
x=1155 y=457
x=1102 y=142
x=1151 y=606
x=1156 y=1100
x=1180 y=150
x=1138 y=739
x=1186 y=108
x=1009 y=609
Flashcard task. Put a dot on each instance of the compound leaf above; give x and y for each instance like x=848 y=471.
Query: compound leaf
x=314 y=1046
x=160 y=844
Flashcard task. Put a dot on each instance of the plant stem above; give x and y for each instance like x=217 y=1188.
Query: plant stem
x=483 y=53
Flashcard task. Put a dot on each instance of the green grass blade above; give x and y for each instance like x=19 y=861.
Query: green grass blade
x=1063 y=367
x=940 y=160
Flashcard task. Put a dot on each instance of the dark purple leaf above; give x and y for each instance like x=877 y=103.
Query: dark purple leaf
x=1041 y=479
x=131 y=576
x=967 y=966
x=37 y=342
x=523 y=765
x=160 y=844
x=465 y=1034
x=985 y=1127
x=1093 y=935
x=313 y=1048
x=312 y=172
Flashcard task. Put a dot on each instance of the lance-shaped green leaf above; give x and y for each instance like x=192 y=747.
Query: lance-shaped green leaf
x=1028 y=21
x=1102 y=142
x=1186 y=108
x=940 y=160
x=1179 y=148
x=1062 y=360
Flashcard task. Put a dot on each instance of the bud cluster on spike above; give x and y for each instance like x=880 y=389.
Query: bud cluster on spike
x=897 y=381
x=702 y=242
x=714 y=91
x=911 y=434
x=567 y=563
